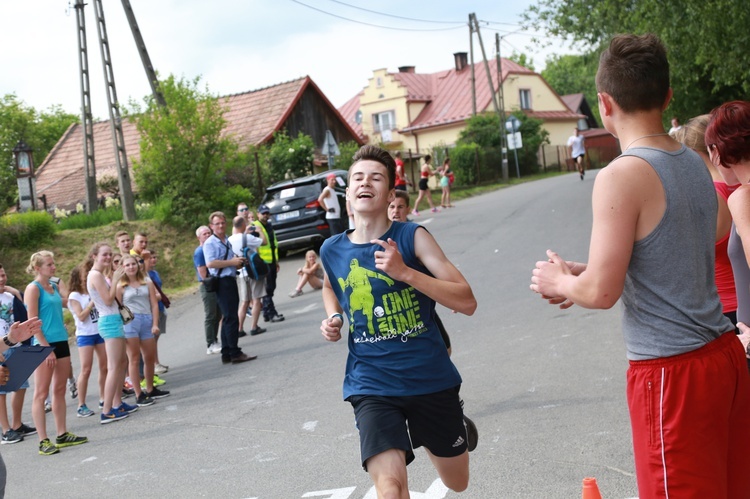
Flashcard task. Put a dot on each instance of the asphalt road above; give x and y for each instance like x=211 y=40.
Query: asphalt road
x=545 y=387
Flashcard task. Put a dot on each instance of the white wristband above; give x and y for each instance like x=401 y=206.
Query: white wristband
x=333 y=316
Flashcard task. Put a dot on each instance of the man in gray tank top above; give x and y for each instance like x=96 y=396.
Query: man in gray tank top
x=652 y=244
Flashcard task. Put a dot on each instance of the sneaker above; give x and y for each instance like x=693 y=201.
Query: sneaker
x=213 y=348
x=11 y=437
x=161 y=369
x=144 y=400
x=101 y=404
x=127 y=392
x=73 y=387
x=127 y=387
x=277 y=318
x=112 y=415
x=84 y=412
x=241 y=334
x=295 y=293
x=26 y=430
x=158 y=381
x=67 y=439
x=258 y=330
x=415 y=213
x=47 y=448
x=472 y=435
x=157 y=394
x=127 y=408
x=435 y=210
x=47 y=406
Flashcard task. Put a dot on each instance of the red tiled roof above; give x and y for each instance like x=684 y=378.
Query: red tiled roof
x=252 y=118
x=553 y=115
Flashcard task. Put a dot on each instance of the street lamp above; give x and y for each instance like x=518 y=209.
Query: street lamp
x=25 y=176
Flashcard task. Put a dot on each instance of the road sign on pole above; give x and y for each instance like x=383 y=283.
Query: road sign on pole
x=330 y=148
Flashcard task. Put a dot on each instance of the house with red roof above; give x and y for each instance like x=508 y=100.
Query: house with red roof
x=414 y=111
x=252 y=119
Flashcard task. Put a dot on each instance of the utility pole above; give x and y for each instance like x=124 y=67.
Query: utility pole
x=121 y=159
x=87 y=122
x=501 y=98
x=145 y=59
x=498 y=108
x=473 y=79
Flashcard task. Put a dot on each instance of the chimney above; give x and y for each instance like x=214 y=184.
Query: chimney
x=461 y=60
x=406 y=69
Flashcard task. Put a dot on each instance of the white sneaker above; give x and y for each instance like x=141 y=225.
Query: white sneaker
x=213 y=348
x=160 y=369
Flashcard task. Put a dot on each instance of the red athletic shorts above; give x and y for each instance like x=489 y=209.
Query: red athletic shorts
x=690 y=416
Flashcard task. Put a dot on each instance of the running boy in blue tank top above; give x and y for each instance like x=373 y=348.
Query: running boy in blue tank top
x=386 y=277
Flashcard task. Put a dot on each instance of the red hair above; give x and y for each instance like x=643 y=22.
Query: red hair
x=729 y=132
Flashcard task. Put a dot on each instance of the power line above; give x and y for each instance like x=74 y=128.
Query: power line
x=462 y=26
x=395 y=16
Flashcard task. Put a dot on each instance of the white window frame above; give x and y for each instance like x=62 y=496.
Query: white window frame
x=385 y=120
x=524 y=98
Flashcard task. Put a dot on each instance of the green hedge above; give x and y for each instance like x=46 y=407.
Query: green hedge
x=26 y=230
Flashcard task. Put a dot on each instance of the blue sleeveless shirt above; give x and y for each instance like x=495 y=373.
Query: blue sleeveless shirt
x=395 y=347
x=51 y=314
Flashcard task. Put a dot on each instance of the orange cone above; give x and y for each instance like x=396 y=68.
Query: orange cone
x=591 y=489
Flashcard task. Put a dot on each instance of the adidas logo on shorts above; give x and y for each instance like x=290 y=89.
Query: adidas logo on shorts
x=460 y=441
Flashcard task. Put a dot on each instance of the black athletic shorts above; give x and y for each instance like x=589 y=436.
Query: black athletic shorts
x=423 y=184
x=62 y=349
x=434 y=420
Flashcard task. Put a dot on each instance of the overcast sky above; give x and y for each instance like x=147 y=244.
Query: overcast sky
x=241 y=45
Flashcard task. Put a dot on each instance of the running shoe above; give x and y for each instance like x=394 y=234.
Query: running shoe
x=127 y=408
x=84 y=412
x=144 y=400
x=415 y=213
x=67 y=439
x=157 y=394
x=11 y=437
x=47 y=448
x=158 y=381
x=47 y=406
x=295 y=293
x=161 y=369
x=112 y=415
x=26 y=430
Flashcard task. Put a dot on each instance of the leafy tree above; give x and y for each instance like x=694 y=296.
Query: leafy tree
x=183 y=155
x=707 y=41
x=572 y=74
x=483 y=130
x=40 y=130
x=289 y=157
x=522 y=59
x=347 y=149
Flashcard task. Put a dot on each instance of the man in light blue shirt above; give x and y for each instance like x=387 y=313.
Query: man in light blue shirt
x=222 y=262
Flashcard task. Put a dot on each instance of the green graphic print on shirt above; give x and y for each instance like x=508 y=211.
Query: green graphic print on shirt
x=398 y=312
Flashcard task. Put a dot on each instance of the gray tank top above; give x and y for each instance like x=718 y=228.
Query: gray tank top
x=670 y=301
x=137 y=299
x=741 y=271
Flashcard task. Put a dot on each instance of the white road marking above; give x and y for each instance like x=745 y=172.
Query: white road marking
x=332 y=494
x=310 y=426
x=306 y=309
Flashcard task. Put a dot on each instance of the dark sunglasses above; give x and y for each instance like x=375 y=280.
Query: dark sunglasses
x=242 y=209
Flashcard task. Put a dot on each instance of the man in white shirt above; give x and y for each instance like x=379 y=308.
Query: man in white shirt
x=577 y=150
x=249 y=289
x=330 y=202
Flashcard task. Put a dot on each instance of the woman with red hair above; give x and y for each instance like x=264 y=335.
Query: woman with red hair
x=728 y=142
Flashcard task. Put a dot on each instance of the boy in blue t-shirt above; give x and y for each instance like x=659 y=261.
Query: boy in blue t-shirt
x=399 y=378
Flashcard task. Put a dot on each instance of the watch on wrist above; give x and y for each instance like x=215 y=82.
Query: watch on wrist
x=7 y=341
